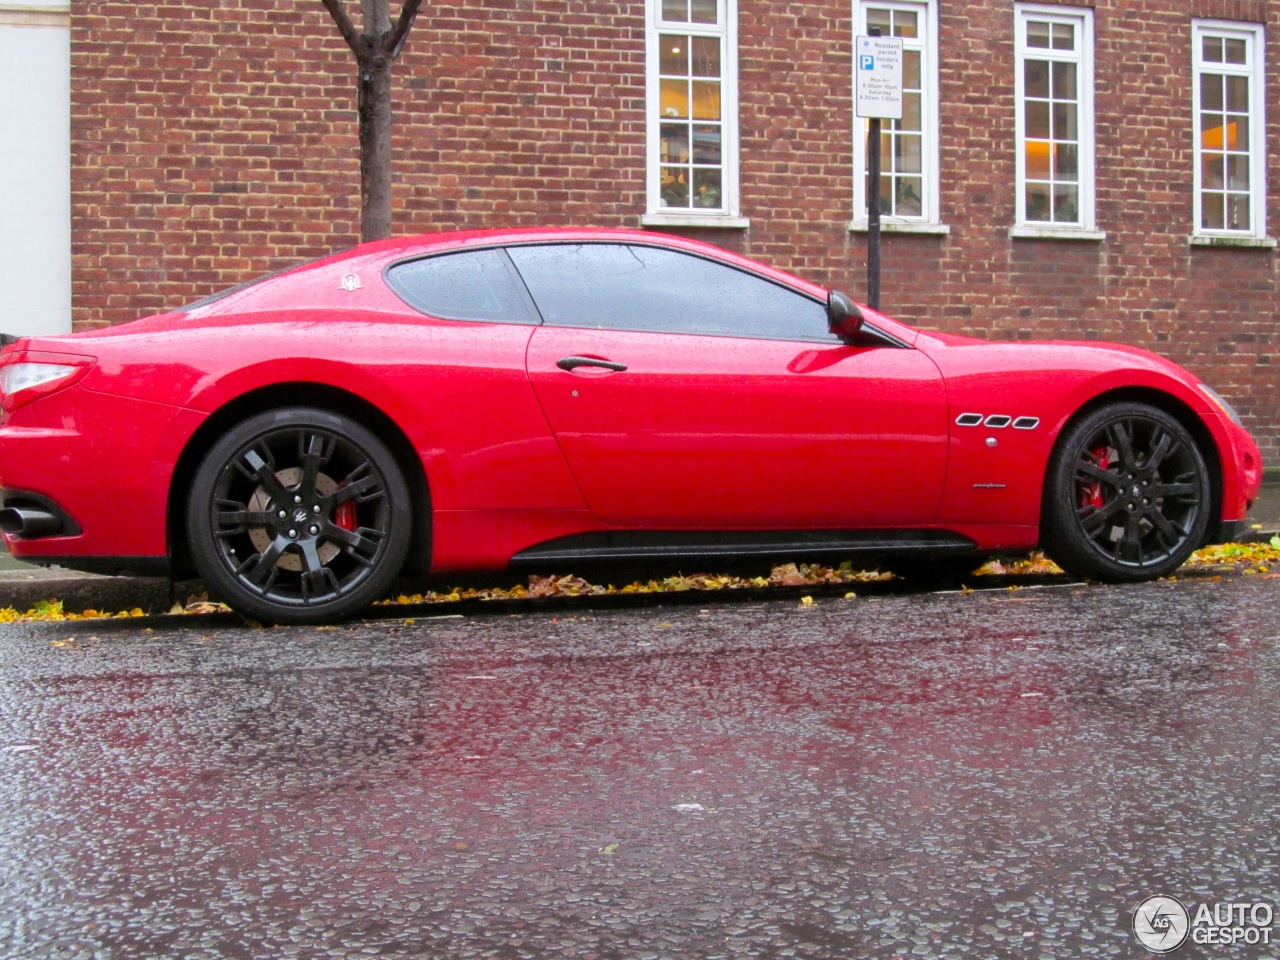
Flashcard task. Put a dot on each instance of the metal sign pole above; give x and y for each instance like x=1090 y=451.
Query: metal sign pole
x=873 y=215
x=877 y=97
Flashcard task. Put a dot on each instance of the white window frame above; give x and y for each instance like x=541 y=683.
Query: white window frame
x=1081 y=18
x=1255 y=70
x=930 y=218
x=726 y=29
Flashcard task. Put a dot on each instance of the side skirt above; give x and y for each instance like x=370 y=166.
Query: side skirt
x=626 y=546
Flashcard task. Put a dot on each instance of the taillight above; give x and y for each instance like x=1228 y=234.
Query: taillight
x=27 y=376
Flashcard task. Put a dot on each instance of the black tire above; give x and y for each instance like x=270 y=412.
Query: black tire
x=1127 y=495
x=299 y=515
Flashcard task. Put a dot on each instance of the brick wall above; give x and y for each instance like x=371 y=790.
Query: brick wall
x=215 y=140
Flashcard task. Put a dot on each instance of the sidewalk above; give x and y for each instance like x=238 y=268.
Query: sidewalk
x=22 y=586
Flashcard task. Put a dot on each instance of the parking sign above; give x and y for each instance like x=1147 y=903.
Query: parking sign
x=878 y=72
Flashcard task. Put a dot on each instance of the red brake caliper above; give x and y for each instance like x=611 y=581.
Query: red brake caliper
x=1092 y=494
x=345 y=515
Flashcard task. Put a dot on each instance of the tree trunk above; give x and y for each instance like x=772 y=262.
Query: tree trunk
x=375 y=147
x=375 y=49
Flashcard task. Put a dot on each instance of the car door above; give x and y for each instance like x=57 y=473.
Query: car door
x=684 y=391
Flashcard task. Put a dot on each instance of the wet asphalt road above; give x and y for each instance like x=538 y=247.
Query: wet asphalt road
x=993 y=774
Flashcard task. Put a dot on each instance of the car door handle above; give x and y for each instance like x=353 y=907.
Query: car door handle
x=571 y=363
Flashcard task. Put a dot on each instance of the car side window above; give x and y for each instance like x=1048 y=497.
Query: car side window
x=468 y=285
x=614 y=286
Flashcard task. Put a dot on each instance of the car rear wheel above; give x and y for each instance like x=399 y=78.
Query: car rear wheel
x=1128 y=495
x=299 y=515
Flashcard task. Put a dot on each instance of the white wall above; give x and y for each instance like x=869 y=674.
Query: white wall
x=35 y=167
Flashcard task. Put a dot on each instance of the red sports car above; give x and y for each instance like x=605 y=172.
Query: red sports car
x=476 y=401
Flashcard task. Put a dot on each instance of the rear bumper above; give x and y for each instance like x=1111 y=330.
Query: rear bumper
x=101 y=465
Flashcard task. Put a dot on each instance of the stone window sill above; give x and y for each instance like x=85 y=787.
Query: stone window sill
x=903 y=226
x=1057 y=233
x=1239 y=243
x=718 y=221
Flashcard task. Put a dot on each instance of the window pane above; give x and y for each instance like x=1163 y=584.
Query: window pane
x=1238 y=212
x=706 y=144
x=1066 y=203
x=1066 y=162
x=879 y=19
x=1234 y=51
x=1238 y=94
x=905 y=24
x=675 y=143
x=675 y=10
x=910 y=112
x=704 y=11
x=1064 y=121
x=1212 y=131
x=706 y=188
x=706 y=56
x=706 y=100
x=907 y=154
x=1211 y=91
x=621 y=287
x=1037 y=201
x=1211 y=171
x=673 y=56
x=675 y=187
x=1036 y=78
x=908 y=202
x=1238 y=173
x=1064 y=36
x=1237 y=132
x=675 y=98
x=1211 y=49
x=911 y=69
x=1212 y=211
x=1037 y=160
x=1037 y=120
x=1064 y=81
x=476 y=285
x=1038 y=34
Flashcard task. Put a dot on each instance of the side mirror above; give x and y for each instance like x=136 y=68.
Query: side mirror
x=844 y=319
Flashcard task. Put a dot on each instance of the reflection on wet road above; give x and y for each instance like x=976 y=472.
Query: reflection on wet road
x=969 y=775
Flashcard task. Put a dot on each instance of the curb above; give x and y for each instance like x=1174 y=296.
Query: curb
x=23 y=590
x=80 y=592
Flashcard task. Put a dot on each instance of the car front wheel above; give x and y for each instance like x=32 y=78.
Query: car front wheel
x=299 y=515
x=1127 y=496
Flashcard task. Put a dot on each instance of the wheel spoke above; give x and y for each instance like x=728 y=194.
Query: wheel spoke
x=262 y=469
x=1169 y=536
x=233 y=518
x=1182 y=489
x=363 y=543
x=260 y=570
x=1130 y=545
x=361 y=485
x=1093 y=519
x=314 y=450
x=1087 y=470
x=1165 y=444
x=1121 y=436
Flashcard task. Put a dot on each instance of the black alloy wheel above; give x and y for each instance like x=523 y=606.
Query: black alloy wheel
x=299 y=515
x=1127 y=497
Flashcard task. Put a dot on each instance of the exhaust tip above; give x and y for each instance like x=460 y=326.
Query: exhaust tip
x=29 y=522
